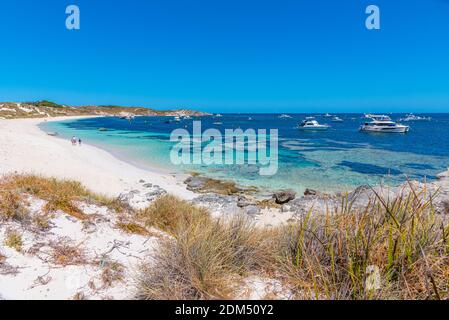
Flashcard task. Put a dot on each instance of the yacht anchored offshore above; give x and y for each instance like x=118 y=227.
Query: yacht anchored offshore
x=284 y=116
x=311 y=124
x=383 y=124
x=412 y=117
x=337 y=119
x=376 y=116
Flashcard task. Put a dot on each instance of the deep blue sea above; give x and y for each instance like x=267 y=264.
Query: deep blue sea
x=334 y=160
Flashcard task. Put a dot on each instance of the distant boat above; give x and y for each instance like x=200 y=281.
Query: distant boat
x=102 y=129
x=284 y=116
x=312 y=125
x=127 y=116
x=383 y=124
x=218 y=123
x=376 y=116
x=327 y=115
x=177 y=119
x=218 y=115
x=412 y=117
x=337 y=119
x=250 y=118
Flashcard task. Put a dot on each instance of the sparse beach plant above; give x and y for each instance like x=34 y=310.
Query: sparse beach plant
x=327 y=256
x=169 y=213
x=13 y=240
x=59 y=194
x=112 y=272
x=205 y=259
x=64 y=253
x=12 y=206
x=133 y=228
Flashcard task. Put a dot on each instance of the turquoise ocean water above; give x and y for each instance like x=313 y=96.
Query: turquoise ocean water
x=335 y=160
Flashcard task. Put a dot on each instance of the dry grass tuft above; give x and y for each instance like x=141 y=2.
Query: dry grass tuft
x=66 y=254
x=113 y=272
x=41 y=221
x=205 y=260
x=13 y=240
x=394 y=249
x=169 y=213
x=133 y=228
x=12 y=206
x=59 y=194
x=391 y=249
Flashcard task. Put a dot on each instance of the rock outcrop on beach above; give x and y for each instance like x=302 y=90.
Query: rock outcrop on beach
x=143 y=196
x=202 y=184
x=42 y=109
x=284 y=196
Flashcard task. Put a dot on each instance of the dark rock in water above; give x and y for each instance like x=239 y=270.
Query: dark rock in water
x=284 y=196
x=206 y=185
x=366 y=168
x=253 y=210
x=141 y=181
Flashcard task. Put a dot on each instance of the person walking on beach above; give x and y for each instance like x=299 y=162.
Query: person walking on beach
x=73 y=141
x=79 y=141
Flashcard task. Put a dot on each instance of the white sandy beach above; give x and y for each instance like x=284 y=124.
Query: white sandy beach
x=24 y=148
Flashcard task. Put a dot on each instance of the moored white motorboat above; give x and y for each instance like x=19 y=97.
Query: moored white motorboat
x=337 y=119
x=383 y=125
x=284 y=116
x=311 y=124
x=412 y=117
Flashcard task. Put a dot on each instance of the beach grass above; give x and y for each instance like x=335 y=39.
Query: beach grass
x=169 y=214
x=13 y=240
x=205 y=259
x=60 y=194
x=391 y=249
x=12 y=206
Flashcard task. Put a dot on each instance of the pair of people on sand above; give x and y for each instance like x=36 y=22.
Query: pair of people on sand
x=76 y=140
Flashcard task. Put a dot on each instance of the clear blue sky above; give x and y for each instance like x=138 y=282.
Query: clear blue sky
x=229 y=55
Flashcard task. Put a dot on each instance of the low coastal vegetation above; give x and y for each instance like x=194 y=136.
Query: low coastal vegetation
x=204 y=258
x=13 y=240
x=44 y=108
x=392 y=248
x=63 y=195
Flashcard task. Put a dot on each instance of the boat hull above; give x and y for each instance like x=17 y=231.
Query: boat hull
x=321 y=128
x=402 y=129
